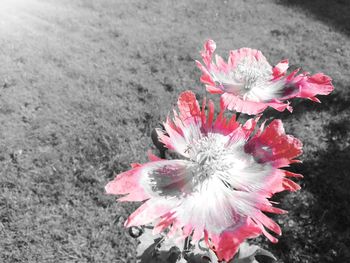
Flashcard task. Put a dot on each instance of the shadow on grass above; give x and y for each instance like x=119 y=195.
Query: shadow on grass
x=322 y=212
x=330 y=180
x=335 y=13
x=334 y=103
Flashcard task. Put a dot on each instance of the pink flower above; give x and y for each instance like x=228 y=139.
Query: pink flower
x=220 y=187
x=249 y=84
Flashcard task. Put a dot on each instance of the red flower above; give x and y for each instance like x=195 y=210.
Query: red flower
x=220 y=187
x=249 y=84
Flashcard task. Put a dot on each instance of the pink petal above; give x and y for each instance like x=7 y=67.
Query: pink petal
x=271 y=209
x=233 y=102
x=210 y=114
x=167 y=178
x=227 y=243
x=206 y=77
x=207 y=53
x=280 y=69
x=165 y=139
x=224 y=126
x=267 y=222
x=273 y=144
x=149 y=211
x=153 y=157
x=214 y=90
x=174 y=140
x=295 y=175
x=245 y=53
x=188 y=107
x=162 y=225
x=221 y=64
x=290 y=185
x=318 y=84
x=250 y=125
x=164 y=177
x=128 y=183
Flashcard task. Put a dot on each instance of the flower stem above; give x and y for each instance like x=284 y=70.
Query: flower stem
x=237 y=115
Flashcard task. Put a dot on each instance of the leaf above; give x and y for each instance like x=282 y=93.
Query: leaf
x=157 y=249
x=160 y=249
x=248 y=252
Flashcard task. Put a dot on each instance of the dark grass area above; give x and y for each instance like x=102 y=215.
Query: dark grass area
x=83 y=83
x=335 y=13
x=318 y=224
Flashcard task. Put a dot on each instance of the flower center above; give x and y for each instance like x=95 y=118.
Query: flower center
x=251 y=72
x=213 y=156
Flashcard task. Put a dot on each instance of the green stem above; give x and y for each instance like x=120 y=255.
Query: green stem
x=237 y=115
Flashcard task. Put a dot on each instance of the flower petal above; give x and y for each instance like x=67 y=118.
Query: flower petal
x=189 y=108
x=167 y=178
x=233 y=102
x=272 y=144
x=128 y=183
x=212 y=89
x=149 y=211
x=207 y=53
x=317 y=84
x=250 y=176
x=227 y=243
x=280 y=69
x=236 y=56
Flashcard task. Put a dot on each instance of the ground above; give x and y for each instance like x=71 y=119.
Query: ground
x=83 y=83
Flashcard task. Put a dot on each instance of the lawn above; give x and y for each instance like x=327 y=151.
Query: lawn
x=84 y=82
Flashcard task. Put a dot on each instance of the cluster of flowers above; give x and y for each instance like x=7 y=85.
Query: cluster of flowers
x=219 y=189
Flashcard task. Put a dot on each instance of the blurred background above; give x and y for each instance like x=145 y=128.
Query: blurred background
x=84 y=82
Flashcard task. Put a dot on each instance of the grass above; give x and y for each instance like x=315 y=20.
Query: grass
x=84 y=82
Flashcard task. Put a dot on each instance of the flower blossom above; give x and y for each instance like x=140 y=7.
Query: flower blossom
x=218 y=190
x=249 y=84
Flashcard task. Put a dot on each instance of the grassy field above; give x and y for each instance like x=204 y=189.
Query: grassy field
x=83 y=83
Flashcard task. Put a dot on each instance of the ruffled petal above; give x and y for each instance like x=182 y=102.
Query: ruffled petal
x=152 y=157
x=236 y=56
x=318 y=84
x=227 y=243
x=221 y=64
x=192 y=123
x=207 y=52
x=128 y=183
x=251 y=205
x=212 y=89
x=233 y=102
x=198 y=209
x=250 y=176
x=206 y=77
x=173 y=139
x=189 y=108
x=280 y=69
x=272 y=145
x=166 y=178
x=149 y=211
x=223 y=125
